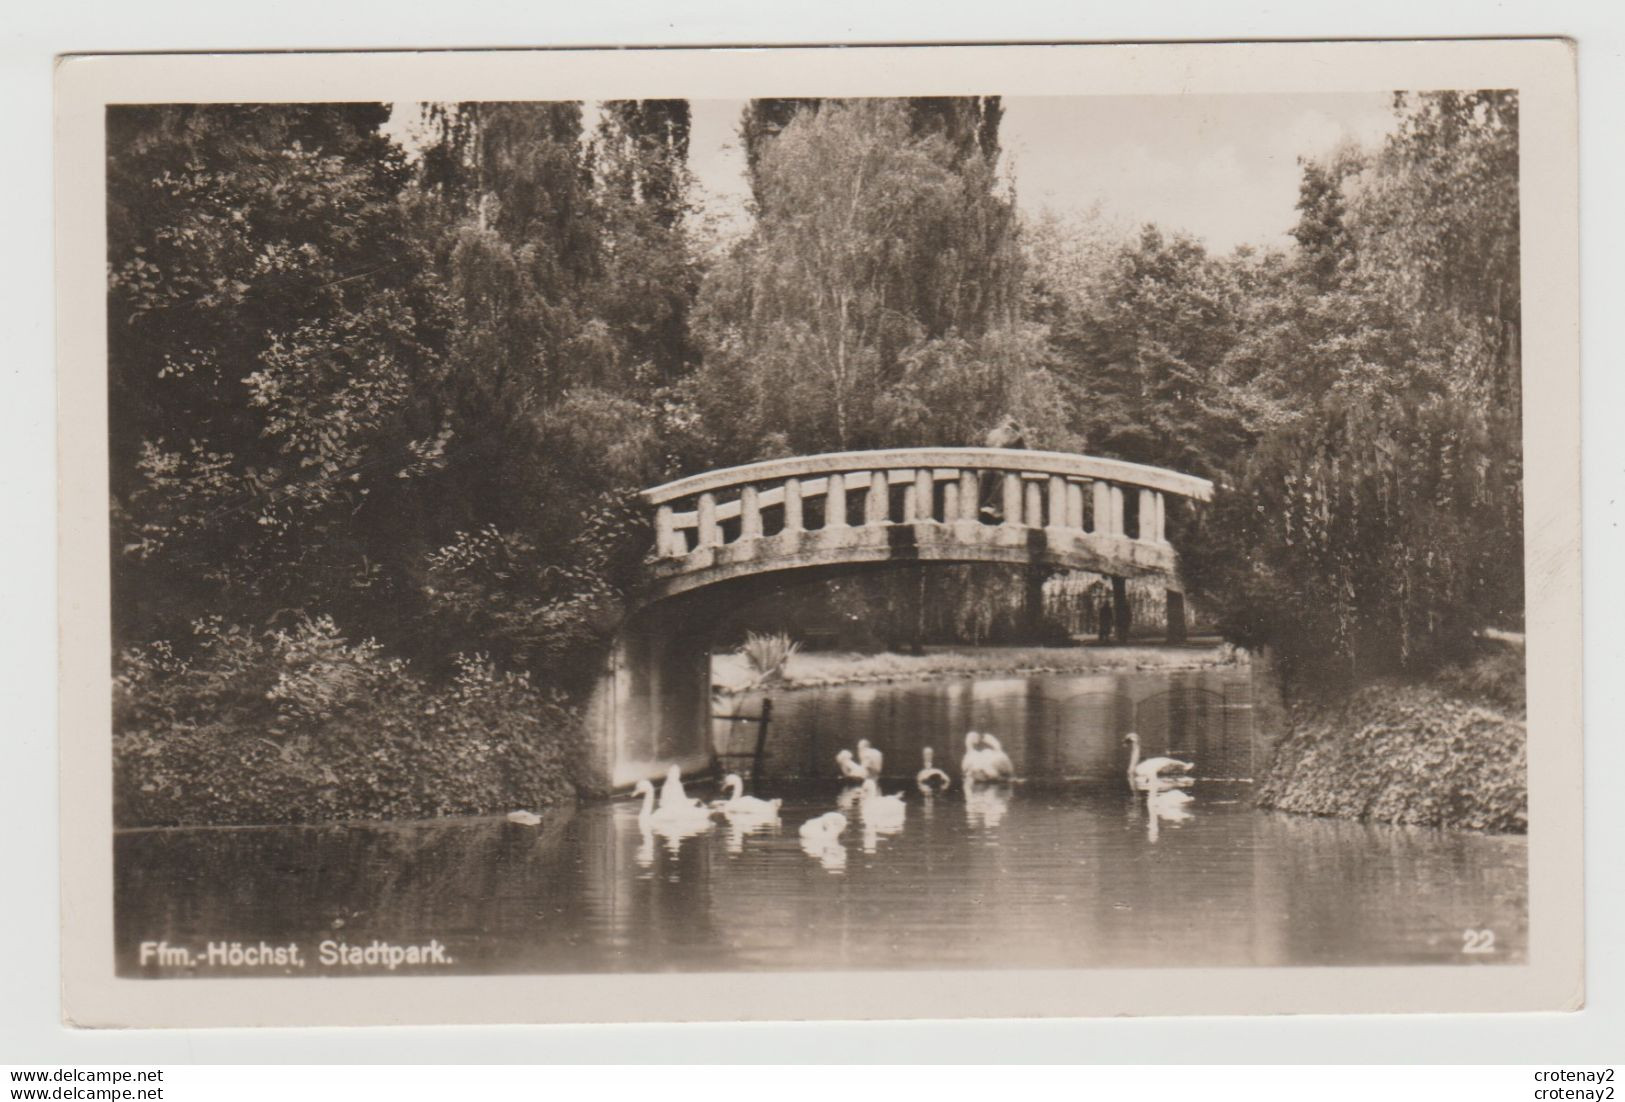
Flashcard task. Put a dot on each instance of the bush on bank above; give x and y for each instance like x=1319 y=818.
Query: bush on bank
x=1448 y=751
x=304 y=726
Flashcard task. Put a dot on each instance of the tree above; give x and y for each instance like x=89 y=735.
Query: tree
x=877 y=252
x=1377 y=522
x=969 y=125
x=1144 y=341
x=268 y=330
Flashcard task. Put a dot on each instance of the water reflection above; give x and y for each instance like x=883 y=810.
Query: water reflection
x=1076 y=879
x=1053 y=726
x=1043 y=873
x=739 y=826
x=1165 y=805
x=986 y=805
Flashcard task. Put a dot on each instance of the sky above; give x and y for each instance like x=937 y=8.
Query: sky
x=1223 y=168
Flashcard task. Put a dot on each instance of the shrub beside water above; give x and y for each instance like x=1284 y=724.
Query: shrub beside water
x=304 y=726
x=1446 y=752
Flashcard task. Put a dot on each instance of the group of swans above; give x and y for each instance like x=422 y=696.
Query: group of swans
x=985 y=768
x=676 y=815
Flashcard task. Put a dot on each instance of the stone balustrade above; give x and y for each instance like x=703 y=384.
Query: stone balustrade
x=962 y=489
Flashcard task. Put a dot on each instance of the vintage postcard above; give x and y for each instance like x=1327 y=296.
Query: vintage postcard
x=819 y=533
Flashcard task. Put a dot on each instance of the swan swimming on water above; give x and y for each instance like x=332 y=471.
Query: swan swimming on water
x=969 y=764
x=667 y=816
x=826 y=826
x=985 y=760
x=739 y=805
x=672 y=823
x=874 y=805
x=930 y=778
x=996 y=764
x=1154 y=773
x=870 y=758
x=821 y=838
x=671 y=792
x=851 y=768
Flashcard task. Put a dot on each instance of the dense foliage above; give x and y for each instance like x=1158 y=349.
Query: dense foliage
x=1374 y=522
x=1434 y=754
x=377 y=415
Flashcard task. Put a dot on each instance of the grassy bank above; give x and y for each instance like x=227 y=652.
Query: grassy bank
x=1449 y=752
x=818 y=669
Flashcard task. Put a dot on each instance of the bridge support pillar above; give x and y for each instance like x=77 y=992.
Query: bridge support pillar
x=1176 y=616
x=652 y=704
x=1122 y=615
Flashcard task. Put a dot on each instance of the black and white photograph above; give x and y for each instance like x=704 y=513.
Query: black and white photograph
x=1071 y=541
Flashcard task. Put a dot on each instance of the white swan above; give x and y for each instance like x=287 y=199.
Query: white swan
x=821 y=839
x=688 y=817
x=1154 y=773
x=671 y=792
x=824 y=828
x=930 y=778
x=973 y=755
x=524 y=818
x=870 y=758
x=739 y=805
x=851 y=768
x=995 y=764
x=873 y=805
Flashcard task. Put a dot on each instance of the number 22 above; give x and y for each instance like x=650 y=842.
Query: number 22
x=1478 y=941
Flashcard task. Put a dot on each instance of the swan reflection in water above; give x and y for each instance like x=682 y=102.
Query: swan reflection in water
x=740 y=826
x=986 y=804
x=1170 y=805
x=830 y=854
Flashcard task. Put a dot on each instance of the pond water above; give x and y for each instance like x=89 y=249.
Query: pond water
x=1069 y=871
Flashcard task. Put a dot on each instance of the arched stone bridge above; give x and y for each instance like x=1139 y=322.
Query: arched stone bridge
x=916 y=505
x=851 y=510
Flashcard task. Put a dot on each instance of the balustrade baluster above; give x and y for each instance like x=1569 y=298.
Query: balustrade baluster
x=792 y=505
x=911 y=494
x=665 y=532
x=950 y=499
x=925 y=495
x=1074 y=505
x=710 y=533
x=1103 y=508
x=1033 y=513
x=1148 y=517
x=1012 y=498
x=877 y=507
x=750 y=514
x=1057 y=501
x=1162 y=517
x=835 y=502
x=1119 y=527
x=970 y=495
